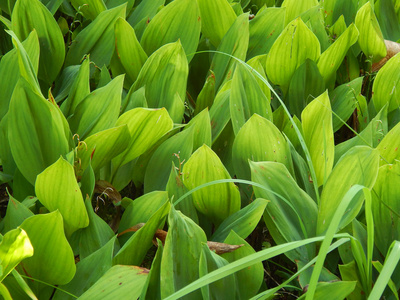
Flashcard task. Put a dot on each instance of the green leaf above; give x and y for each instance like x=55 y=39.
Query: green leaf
x=14 y=247
x=99 y=110
x=169 y=25
x=10 y=69
x=363 y=163
x=57 y=189
x=343 y=101
x=318 y=135
x=146 y=127
x=88 y=271
x=217 y=203
x=205 y=99
x=235 y=42
x=210 y=261
x=291 y=215
x=216 y=19
x=259 y=140
x=295 y=8
x=93 y=237
x=129 y=56
x=386 y=13
x=118 y=282
x=183 y=244
x=264 y=30
x=176 y=149
x=135 y=249
x=336 y=290
x=39 y=141
x=99 y=148
x=242 y=222
x=79 y=89
x=90 y=9
x=385 y=207
x=371 y=38
x=386 y=85
x=332 y=58
x=16 y=213
x=165 y=75
x=306 y=84
x=389 y=146
x=53 y=260
x=290 y=50
x=32 y=14
x=97 y=39
x=249 y=280
x=220 y=110
x=140 y=211
x=151 y=289
x=246 y=99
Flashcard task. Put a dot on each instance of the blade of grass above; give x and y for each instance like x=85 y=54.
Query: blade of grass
x=348 y=197
x=24 y=286
x=392 y=259
x=245 y=262
x=53 y=286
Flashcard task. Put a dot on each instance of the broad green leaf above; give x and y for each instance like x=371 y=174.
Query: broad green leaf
x=32 y=14
x=176 y=149
x=216 y=19
x=220 y=110
x=370 y=38
x=389 y=146
x=97 y=39
x=146 y=127
x=349 y=272
x=332 y=58
x=202 y=129
x=318 y=135
x=294 y=8
x=370 y=136
x=242 y=222
x=210 y=261
x=259 y=140
x=183 y=244
x=292 y=214
x=39 y=141
x=386 y=85
x=99 y=110
x=134 y=99
x=223 y=147
x=343 y=101
x=306 y=84
x=246 y=99
x=79 y=89
x=205 y=99
x=16 y=213
x=290 y=50
x=135 y=249
x=53 y=260
x=385 y=206
x=10 y=69
x=176 y=189
x=128 y=52
x=217 y=202
x=169 y=25
x=93 y=237
x=88 y=271
x=118 y=282
x=99 y=148
x=257 y=63
x=249 y=280
x=90 y=9
x=14 y=247
x=27 y=63
x=165 y=74
x=151 y=289
x=235 y=42
x=57 y=189
x=64 y=82
x=363 y=163
x=336 y=290
x=264 y=30
x=140 y=211
x=387 y=19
